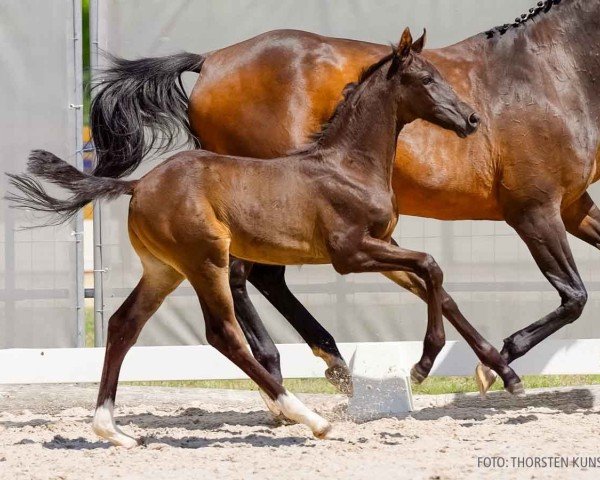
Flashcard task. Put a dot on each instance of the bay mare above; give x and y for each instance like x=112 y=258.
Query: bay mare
x=331 y=202
x=534 y=83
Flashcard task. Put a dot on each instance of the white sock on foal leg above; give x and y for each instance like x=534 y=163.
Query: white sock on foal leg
x=273 y=408
x=295 y=410
x=104 y=426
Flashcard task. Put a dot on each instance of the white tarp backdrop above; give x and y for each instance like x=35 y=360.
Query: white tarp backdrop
x=39 y=282
x=487 y=268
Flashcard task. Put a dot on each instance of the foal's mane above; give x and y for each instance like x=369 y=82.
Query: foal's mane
x=348 y=92
x=541 y=7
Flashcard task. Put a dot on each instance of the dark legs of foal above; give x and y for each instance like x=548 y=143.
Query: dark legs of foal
x=377 y=256
x=485 y=351
x=124 y=328
x=373 y=255
x=210 y=280
x=544 y=230
x=270 y=281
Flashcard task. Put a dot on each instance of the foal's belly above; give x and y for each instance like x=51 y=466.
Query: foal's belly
x=284 y=250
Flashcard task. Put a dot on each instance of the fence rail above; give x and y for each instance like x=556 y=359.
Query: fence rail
x=202 y=362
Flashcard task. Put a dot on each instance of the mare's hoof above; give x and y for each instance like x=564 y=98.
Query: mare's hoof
x=516 y=389
x=485 y=378
x=340 y=377
x=416 y=377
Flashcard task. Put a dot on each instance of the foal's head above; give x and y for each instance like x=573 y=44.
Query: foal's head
x=423 y=93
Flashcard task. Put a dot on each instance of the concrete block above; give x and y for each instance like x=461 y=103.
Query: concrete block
x=381 y=382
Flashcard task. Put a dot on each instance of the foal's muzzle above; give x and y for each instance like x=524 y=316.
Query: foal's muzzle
x=473 y=122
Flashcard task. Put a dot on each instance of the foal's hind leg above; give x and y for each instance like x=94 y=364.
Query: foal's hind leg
x=270 y=281
x=124 y=328
x=210 y=279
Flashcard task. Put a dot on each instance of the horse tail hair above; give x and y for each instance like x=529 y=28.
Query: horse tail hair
x=140 y=106
x=83 y=187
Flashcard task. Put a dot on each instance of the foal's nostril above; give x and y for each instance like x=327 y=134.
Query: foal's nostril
x=474 y=120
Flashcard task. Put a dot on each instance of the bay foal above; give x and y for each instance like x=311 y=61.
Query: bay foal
x=331 y=202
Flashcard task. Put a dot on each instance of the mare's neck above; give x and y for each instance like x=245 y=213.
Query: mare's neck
x=579 y=27
x=575 y=24
x=566 y=39
x=363 y=134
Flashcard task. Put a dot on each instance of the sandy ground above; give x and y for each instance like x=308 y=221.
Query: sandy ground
x=191 y=433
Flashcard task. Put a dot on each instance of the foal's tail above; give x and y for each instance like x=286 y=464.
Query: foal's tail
x=140 y=106
x=84 y=187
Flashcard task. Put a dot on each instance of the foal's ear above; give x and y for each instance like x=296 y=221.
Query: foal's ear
x=405 y=44
x=419 y=43
x=401 y=53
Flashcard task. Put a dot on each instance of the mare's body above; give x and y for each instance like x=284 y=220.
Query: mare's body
x=534 y=84
x=536 y=89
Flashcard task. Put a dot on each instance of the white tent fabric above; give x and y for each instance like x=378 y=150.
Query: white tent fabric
x=38 y=268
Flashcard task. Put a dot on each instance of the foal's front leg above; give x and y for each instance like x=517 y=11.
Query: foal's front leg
x=374 y=255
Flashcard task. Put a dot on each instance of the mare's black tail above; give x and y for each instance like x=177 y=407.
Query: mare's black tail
x=140 y=106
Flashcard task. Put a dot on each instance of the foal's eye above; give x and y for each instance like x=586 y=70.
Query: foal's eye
x=427 y=80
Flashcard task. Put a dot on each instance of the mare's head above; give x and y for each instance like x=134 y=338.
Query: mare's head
x=423 y=93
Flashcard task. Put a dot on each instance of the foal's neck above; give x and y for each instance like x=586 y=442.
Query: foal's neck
x=363 y=134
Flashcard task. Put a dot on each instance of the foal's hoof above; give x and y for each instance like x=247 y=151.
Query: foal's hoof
x=339 y=376
x=416 y=377
x=103 y=425
x=128 y=443
x=485 y=378
x=516 y=389
x=323 y=430
x=118 y=438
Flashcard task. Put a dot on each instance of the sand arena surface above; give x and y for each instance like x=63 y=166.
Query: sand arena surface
x=45 y=433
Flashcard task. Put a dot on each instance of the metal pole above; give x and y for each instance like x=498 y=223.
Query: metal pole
x=98 y=264
x=77 y=107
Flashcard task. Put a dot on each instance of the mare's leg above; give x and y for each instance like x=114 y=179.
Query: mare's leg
x=484 y=350
x=582 y=219
x=260 y=342
x=210 y=279
x=270 y=281
x=262 y=345
x=124 y=328
x=543 y=230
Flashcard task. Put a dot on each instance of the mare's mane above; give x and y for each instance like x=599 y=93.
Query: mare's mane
x=541 y=7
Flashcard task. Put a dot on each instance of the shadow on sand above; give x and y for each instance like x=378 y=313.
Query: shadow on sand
x=467 y=407
x=472 y=407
